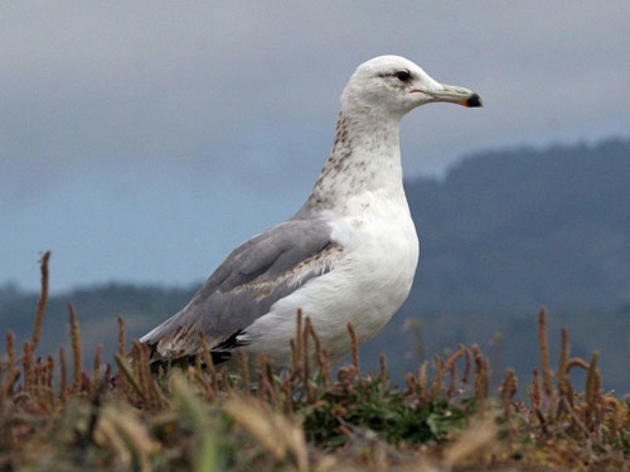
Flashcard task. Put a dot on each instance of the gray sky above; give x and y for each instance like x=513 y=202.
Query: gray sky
x=141 y=141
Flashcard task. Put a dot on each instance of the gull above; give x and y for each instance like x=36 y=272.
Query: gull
x=350 y=252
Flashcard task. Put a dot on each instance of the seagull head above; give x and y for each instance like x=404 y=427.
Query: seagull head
x=395 y=85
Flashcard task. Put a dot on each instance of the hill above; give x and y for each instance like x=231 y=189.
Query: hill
x=515 y=229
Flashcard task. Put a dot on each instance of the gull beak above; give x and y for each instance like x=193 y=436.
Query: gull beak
x=454 y=94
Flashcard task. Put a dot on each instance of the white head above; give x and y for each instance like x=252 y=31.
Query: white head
x=394 y=86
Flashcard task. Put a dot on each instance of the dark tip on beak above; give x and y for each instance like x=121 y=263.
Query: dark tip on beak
x=473 y=101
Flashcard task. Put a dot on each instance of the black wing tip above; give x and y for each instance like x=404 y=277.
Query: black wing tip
x=218 y=357
x=219 y=353
x=231 y=342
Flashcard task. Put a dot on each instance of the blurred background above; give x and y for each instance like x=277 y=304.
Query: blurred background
x=141 y=141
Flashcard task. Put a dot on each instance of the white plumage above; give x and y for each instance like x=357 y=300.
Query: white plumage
x=349 y=254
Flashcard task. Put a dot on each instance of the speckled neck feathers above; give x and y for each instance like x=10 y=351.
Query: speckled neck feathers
x=365 y=157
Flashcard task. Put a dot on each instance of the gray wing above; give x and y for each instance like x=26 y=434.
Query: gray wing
x=254 y=276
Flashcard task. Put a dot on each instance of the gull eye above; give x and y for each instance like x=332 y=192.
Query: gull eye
x=403 y=76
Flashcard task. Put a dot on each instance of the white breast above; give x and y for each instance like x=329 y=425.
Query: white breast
x=382 y=257
x=366 y=286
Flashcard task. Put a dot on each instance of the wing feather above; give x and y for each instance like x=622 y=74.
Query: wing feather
x=259 y=272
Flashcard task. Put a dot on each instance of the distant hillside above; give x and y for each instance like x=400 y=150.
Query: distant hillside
x=515 y=229
x=502 y=234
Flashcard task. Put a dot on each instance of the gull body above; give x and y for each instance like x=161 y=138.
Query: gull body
x=348 y=255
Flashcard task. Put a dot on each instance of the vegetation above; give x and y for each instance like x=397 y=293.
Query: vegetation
x=406 y=340
x=54 y=417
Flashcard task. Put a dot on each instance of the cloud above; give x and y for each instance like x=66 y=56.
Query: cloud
x=149 y=80
x=246 y=93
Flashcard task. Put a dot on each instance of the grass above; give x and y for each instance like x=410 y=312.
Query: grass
x=55 y=415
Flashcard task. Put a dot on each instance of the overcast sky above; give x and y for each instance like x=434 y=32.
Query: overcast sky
x=141 y=141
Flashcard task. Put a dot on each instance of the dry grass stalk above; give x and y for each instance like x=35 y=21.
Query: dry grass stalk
x=3 y=392
x=451 y=368
x=262 y=391
x=320 y=353
x=495 y=362
x=128 y=437
x=44 y=382
x=474 y=441
x=106 y=435
x=593 y=391
x=63 y=375
x=325 y=367
x=266 y=369
x=355 y=347
x=11 y=371
x=382 y=360
x=136 y=360
x=27 y=365
x=39 y=373
x=145 y=357
x=509 y=387
x=468 y=365
x=156 y=398
x=242 y=361
x=287 y=395
x=306 y=362
x=565 y=389
x=439 y=375
x=10 y=345
x=410 y=383
x=85 y=385
x=450 y=362
x=207 y=359
x=616 y=420
x=564 y=361
x=423 y=377
x=345 y=430
x=75 y=338
x=570 y=394
x=485 y=377
x=295 y=367
x=96 y=372
x=129 y=374
x=543 y=342
x=298 y=340
x=145 y=379
x=346 y=376
x=311 y=332
x=50 y=371
x=121 y=383
x=263 y=365
x=577 y=362
x=452 y=384
x=121 y=335
x=274 y=432
x=482 y=376
x=225 y=381
x=41 y=303
x=535 y=394
x=266 y=380
x=108 y=373
x=199 y=377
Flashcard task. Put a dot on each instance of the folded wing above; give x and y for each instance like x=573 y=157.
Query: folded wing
x=259 y=272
